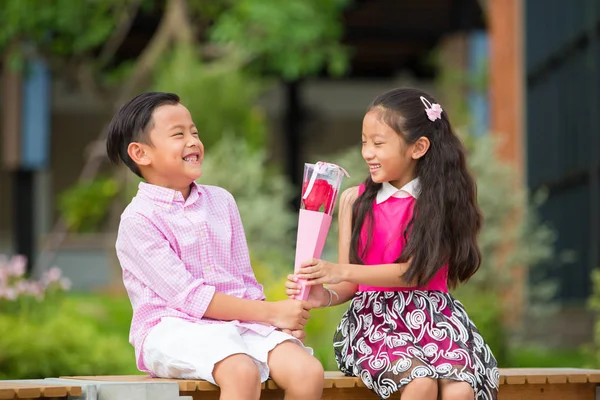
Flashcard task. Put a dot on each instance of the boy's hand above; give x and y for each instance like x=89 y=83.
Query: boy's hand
x=289 y=314
x=299 y=334
x=317 y=297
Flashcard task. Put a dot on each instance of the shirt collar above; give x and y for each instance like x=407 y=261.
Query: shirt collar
x=387 y=190
x=167 y=197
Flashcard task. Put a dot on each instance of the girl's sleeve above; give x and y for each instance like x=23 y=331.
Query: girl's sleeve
x=240 y=256
x=146 y=254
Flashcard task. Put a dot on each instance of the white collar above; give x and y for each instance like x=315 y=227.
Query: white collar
x=411 y=189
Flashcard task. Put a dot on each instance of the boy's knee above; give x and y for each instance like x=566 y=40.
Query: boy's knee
x=315 y=371
x=239 y=370
x=311 y=374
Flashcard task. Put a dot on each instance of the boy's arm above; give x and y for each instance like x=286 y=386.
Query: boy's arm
x=145 y=253
x=240 y=255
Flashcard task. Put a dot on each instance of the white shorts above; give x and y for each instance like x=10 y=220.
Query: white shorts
x=180 y=349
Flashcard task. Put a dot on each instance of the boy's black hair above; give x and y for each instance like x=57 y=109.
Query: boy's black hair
x=132 y=123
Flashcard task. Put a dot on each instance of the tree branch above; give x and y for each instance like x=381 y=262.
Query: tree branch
x=146 y=62
x=184 y=33
x=124 y=25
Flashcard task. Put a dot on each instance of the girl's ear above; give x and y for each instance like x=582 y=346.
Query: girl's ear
x=420 y=147
x=138 y=154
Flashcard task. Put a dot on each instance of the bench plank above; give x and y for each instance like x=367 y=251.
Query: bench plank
x=519 y=376
x=517 y=384
x=184 y=384
x=28 y=390
x=578 y=391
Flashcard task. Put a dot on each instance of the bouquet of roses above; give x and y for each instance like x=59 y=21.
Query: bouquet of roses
x=320 y=190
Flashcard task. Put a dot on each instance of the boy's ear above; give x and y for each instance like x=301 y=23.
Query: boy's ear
x=420 y=147
x=137 y=152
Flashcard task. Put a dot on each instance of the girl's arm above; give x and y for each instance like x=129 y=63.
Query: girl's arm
x=319 y=272
x=345 y=290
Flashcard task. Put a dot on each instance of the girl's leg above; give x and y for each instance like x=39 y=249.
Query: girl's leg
x=420 y=389
x=298 y=373
x=238 y=377
x=455 y=390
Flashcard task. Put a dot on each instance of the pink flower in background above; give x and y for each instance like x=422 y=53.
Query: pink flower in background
x=30 y=288
x=9 y=294
x=36 y=289
x=14 y=285
x=65 y=284
x=17 y=266
x=53 y=275
x=22 y=287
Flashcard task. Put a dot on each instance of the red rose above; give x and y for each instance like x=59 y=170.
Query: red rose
x=320 y=195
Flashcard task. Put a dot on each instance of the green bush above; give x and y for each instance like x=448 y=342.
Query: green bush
x=44 y=333
x=65 y=344
x=85 y=204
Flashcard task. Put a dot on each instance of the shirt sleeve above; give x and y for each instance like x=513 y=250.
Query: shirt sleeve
x=145 y=253
x=240 y=255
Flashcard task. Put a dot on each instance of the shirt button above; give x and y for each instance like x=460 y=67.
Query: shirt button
x=202 y=235
x=207 y=268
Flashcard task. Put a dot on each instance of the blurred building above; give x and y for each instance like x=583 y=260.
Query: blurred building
x=545 y=96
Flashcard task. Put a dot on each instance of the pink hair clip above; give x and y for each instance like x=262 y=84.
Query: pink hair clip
x=434 y=111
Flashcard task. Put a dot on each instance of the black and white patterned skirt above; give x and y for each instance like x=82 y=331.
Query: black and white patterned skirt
x=390 y=338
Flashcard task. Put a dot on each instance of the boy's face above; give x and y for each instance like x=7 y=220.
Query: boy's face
x=174 y=160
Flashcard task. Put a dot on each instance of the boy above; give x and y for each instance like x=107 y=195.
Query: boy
x=198 y=311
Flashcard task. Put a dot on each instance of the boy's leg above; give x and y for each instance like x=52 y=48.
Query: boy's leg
x=238 y=378
x=184 y=350
x=297 y=372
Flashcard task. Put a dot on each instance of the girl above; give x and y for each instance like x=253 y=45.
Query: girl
x=407 y=234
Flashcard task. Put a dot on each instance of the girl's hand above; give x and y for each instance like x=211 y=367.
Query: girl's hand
x=317 y=297
x=318 y=272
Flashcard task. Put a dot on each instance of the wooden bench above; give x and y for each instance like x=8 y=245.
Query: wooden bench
x=30 y=390
x=515 y=384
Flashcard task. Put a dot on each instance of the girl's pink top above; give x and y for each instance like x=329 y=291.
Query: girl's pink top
x=387 y=241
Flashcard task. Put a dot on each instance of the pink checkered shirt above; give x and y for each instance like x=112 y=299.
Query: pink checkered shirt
x=176 y=253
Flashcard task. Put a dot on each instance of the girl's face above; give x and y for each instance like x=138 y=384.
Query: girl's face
x=174 y=159
x=389 y=157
